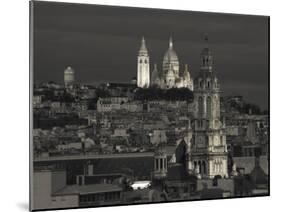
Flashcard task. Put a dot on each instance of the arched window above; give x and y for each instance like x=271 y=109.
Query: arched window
x=221 y=140
x=201 y=83
x=207 y=140
x=209 y=106
x=156 y=164
x=200 y=105
x=140 y=60
x=208 y=84
x=145 y=61
x=204 y=167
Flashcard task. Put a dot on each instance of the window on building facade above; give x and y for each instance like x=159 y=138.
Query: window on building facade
x=200 y=105
x=157 y=164
x=221 y=140
x=208 y=84
x=201 y=83
x=204 y=167
x=209 y=105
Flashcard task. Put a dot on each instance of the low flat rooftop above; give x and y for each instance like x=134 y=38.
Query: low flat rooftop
x=93 y=156
x=87 y=189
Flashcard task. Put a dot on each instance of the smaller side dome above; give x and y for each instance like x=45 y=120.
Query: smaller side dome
x=155 y=73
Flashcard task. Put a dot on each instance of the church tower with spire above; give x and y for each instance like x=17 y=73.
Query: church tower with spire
x=143 y=75
x=209 y=152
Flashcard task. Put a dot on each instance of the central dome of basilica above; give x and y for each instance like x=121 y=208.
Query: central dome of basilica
x=171 y=57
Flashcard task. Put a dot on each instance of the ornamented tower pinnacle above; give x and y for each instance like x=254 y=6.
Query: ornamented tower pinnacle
x=143 y=75
x=206 y=57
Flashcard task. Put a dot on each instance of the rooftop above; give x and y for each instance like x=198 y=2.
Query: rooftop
x=88 y=189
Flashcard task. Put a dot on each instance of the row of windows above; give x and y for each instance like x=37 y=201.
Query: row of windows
x=162 y=162
x=218 y=166
x=145 y=61
x=201 y=165
x=201 y=83
x=205 y=61
x=100 y=197
x=208 y=84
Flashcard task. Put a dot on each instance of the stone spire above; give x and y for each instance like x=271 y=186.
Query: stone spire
x=143 y=49
x=206 y=56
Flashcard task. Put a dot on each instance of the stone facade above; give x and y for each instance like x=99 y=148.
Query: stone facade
x=169 y=77
x=209 y=151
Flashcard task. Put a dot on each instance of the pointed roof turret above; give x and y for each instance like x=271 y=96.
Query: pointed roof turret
x=186 y=72
x=143 y=48
x=155 y=66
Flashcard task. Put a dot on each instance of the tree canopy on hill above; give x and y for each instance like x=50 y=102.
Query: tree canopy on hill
x=173 y=94
x=247 y=108
x=103 y=93
x=50 y=95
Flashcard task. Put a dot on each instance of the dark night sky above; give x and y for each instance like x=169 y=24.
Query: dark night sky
x=101 y=44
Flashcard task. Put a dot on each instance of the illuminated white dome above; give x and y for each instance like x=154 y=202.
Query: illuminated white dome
x=171 y=58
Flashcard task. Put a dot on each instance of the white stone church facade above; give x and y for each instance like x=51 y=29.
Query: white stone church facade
x=169 y=77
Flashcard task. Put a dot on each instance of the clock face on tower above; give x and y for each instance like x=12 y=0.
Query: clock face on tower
x=216 y=140
x=201 y=142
